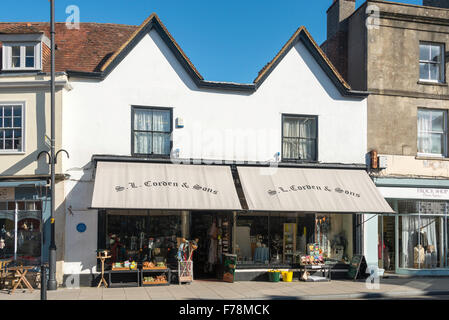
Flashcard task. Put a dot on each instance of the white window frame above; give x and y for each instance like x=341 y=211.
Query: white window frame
x=7 y=56
x=441 y=63
x=444 y=133
x=15 y=151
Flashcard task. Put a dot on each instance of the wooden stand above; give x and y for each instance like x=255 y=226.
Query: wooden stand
x=103 y=255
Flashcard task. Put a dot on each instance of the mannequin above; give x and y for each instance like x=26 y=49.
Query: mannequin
x=419 y=256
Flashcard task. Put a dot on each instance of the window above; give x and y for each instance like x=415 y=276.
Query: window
x=432 y=132
x=299 y=137
x=151 y=133
x=21 y=56
x=11 y=128
x=431 y=62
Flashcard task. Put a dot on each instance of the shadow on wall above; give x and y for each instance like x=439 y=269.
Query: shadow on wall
x=42 y=163
x=80 y=245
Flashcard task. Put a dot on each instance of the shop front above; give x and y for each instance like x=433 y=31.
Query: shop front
x=291 y=210
x=146 y=210
x=22 y=211
x=415 y=238
x=267 y=217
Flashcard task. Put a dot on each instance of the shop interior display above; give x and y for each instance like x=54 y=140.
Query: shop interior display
x=289 y=244
x=277 y=239
x=150 y=240
x=25 y=244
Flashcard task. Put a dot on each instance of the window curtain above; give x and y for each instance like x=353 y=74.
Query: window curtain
x=431 y=130
x=291 y=133
x=307 y=147
x=161 y=140
x=297 y=135
x=142 y=140
x=424 y=126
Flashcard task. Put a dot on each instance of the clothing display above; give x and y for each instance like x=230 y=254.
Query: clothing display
x=419 y=256
x=213 y=233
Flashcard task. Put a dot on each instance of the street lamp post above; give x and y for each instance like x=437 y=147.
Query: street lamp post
x=52 y=284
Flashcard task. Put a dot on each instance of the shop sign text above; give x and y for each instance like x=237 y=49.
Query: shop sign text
x=166 y=184
x=295 y=188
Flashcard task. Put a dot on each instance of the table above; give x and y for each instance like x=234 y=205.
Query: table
x=324 y=268
x=156 y=270
x=122 y=272
x=20 y=274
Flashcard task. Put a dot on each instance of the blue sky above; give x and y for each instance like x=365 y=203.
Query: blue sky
x=226 y=40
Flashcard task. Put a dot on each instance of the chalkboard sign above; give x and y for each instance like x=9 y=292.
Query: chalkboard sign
x=357 y=267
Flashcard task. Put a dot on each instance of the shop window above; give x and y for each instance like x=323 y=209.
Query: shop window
x=422 y=234
x=29 y=236
x=7 y=224
x=432 y=132
x=252 y=239
x=27 y=246
x=283 y=238
x=143 y=235
x=299 y=137
x=151 y=131
x=431 y=62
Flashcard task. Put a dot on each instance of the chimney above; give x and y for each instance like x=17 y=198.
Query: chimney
x=436 y=3
x=337 y=14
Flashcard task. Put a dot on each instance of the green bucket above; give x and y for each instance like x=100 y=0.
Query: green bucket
x=274 y=276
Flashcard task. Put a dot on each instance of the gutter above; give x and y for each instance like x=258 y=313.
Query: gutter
x=114 y=158
x=33 y=84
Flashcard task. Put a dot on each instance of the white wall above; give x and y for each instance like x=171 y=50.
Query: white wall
x=218 y=124
x=371 y=236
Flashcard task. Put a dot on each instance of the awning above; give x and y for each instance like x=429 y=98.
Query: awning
x=311 y=190
x=124 y=185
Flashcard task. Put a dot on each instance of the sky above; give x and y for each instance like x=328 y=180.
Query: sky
x=227 y=40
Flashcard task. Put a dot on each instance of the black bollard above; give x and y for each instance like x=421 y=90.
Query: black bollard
x=43 y=282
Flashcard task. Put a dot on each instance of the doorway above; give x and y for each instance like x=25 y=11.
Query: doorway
x=214 y=233
x=386 y=245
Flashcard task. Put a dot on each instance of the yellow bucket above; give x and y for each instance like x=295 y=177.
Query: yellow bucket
x=287 y=276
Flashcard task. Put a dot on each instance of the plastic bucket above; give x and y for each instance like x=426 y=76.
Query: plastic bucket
x=274 y=276
x=287 y=276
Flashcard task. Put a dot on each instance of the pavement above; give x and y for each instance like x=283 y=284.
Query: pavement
x=397 y=288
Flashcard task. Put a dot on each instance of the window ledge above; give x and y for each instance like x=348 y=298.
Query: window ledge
x=429 y=157
x=12 y=154
x=432 y=83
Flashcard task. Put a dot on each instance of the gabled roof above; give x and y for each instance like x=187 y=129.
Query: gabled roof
x=96 y=49
x=153 y=22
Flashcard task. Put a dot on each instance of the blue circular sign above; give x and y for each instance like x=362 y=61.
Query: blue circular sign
x=81 y=227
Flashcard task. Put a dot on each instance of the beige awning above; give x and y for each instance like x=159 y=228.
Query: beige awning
x=311 y=190
x=123 y=185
